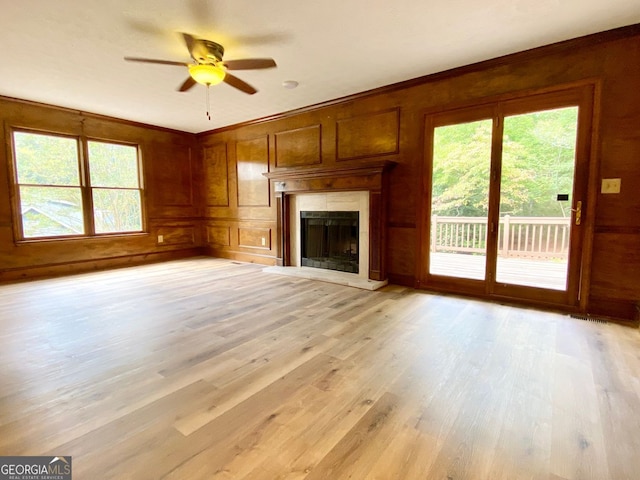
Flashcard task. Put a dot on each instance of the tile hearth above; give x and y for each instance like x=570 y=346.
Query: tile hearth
x=331 y=276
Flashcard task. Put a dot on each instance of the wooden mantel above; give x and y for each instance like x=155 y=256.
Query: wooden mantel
x=368 y=176
x=331 y=178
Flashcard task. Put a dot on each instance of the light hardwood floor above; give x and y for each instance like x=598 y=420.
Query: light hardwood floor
x=209 y=369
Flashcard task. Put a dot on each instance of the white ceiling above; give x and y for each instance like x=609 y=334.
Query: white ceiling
x=70 y=52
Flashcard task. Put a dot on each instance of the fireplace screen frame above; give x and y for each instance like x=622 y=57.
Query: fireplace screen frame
x=336 y=245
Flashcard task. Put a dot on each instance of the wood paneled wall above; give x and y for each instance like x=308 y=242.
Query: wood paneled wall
x=388 y=124
x=239 y=218
x=208 y=190
x=172 y=194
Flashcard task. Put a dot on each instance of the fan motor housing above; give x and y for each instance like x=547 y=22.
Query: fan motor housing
x=206 y=51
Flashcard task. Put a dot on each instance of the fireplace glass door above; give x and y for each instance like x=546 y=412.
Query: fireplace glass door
x=329 y=240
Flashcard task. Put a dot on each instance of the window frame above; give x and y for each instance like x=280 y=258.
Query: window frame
x=86 y=189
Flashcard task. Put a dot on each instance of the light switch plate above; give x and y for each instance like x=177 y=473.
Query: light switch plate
x=610 y=185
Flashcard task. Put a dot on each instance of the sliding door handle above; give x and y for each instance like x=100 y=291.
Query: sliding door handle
x=578 y=211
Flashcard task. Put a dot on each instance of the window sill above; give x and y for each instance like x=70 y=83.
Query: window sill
x=80 y=238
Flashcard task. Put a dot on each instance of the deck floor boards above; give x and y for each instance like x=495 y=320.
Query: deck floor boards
x=514 y=271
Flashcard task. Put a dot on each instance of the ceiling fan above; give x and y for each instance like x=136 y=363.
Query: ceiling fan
x=209 y=68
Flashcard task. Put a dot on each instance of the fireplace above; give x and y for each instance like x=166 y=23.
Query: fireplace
x=358 y=186
x=329 y=240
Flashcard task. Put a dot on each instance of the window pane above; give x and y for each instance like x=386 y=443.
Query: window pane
x=51 y=211
x=113 y=165
x=46 y=159
x=460 y=199
x=117 y=210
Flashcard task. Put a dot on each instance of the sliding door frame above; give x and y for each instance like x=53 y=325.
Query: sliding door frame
x=574 y=298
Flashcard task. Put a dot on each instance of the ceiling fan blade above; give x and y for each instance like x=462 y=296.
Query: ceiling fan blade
x=159 y=62
x=250 y=63
x=189 y=40
x=239 y=84
x=188 y=83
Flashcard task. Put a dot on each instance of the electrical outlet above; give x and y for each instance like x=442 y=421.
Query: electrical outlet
x=610 y=185
x=264 y=241
x=160 y=239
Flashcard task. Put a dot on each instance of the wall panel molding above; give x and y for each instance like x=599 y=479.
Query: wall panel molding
x=253 y=237
x=299 y=147
x=218 y=236
x=252 y=160
x=216 y=175
x=368 y=135
x=177 y=235
x=171 y=175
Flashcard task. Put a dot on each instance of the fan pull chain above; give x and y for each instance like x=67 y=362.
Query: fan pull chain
x=208 y=103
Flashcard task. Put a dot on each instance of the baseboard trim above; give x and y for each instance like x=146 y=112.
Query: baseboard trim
x=403 y=280
x=84 y=266
x=266 y=260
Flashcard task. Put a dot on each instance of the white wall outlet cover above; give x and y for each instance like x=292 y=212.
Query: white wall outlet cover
x=160 y=238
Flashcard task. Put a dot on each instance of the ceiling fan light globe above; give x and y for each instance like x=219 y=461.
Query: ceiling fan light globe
x=207 y=74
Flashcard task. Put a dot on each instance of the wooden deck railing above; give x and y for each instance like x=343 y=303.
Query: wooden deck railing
x=522 y=237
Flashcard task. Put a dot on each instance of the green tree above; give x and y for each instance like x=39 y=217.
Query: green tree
x=548 y=140
x=538 y=155
x=461 y=162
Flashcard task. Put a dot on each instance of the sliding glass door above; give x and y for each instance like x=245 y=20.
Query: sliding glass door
x=505 y=195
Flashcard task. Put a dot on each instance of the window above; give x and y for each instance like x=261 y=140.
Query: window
x=115 y=187
x=56 y=185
